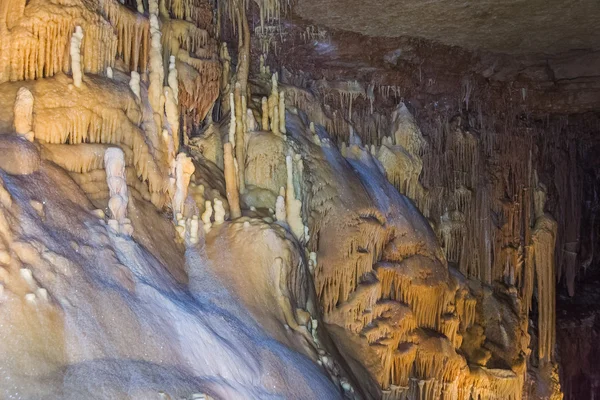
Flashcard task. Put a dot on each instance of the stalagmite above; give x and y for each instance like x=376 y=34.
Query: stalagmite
x=109 y=73
x=27 y=276
x=172 y=113
x=261 y=63
x=280 y=212
x=273 y=103
x=194 y=227
x=172 y=78
x=544 y=241
x=251 y=124
x=75 y=51
x=206 y=216
x=219 y=212
x=240 y=137
x=231 y=182
x=312 y=261
x=184 y=168
x=114 y=164
x=23 y=111
x=226 y=71
x=232 y=120
x=134 y=84
x=282 y=112
x=265 y=114
x=275 y=121
x=406 y=132
x=292 y=205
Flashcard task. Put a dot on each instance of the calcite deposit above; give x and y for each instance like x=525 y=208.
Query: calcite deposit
x=218 y=200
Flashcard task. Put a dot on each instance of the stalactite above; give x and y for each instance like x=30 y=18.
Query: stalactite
x=465 y=308
x=427 y=301
x=195 y=11
x=413 y=316
x=178 y=34
x=34 y=47
x=199 y=81
x=132 y=33
x=226 y=71
x=452 y=232
x=337 y=285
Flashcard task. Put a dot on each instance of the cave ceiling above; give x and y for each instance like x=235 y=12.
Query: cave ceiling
x=505 y=26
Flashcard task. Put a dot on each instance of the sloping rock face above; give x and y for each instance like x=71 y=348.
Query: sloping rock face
x=92 y=314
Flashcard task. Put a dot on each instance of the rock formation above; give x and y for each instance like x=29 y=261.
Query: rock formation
x=219 y=200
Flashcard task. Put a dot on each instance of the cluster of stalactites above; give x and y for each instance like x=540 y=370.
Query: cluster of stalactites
x=196 y=11
x=35 y=45
x=178 y=34
x=388 y=313
x=337 y=285
x=133 y=34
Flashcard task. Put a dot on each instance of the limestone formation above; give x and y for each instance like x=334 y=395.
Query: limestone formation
x=380 y=218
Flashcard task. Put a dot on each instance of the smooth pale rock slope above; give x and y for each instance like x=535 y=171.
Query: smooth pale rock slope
x=87 y=313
